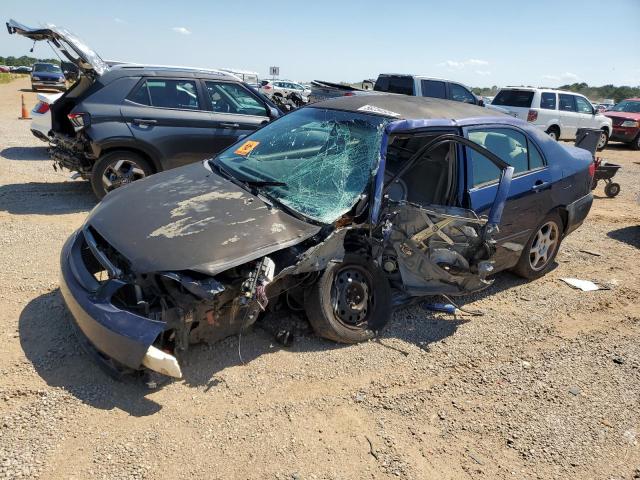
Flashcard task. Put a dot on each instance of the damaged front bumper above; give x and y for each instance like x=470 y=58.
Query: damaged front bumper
x=120 y=335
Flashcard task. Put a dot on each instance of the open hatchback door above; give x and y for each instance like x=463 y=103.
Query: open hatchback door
x=88 y=61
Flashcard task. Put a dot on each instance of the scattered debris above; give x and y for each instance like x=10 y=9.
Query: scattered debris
x=591 y=252
x=371 y=449
x=584 y=285
x=574 y=391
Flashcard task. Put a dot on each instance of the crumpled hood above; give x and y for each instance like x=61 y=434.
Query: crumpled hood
x=192 y=219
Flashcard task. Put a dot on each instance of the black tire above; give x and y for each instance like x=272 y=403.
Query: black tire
x=34 y=89
x=356 y=324
x=554 y=132
x=635 y=143
x=606 y=140
x=524 y=268
x=612 y=189
x=109 y=161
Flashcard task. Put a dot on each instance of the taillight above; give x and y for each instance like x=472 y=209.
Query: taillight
x=592 y=169
x=532 y=116
x=79 y=120
x=267 y=87
x=348 y=94
x=41 y=107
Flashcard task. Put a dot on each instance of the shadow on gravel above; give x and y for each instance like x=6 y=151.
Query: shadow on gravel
x=43 y=198
x=629 y=235
x=49 y=342
x=25 y=153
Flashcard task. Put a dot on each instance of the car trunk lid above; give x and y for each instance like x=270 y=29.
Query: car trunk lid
x=88 y=61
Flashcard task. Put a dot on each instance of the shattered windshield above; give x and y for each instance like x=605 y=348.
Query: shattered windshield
x=315 y=161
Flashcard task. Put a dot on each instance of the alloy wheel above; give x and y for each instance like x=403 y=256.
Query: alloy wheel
x=544 y=246
x=121 y=172
x=602 y=141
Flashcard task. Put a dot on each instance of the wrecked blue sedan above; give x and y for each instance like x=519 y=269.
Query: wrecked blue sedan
x=340 y=210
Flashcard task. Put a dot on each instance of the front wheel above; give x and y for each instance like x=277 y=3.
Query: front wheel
x=612 y=189
x=541 y=249
x=350 y=302
x=603 y=140
x=116 y=169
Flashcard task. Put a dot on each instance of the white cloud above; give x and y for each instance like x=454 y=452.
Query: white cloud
x=484 y=73
x=119 y=20
x=181 y=30
x=459 y=65
x=566 y=76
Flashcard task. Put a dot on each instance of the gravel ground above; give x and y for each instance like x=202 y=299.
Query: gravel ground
x=545 y=385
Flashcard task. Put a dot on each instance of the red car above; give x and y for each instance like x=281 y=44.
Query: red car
x=626 y=122
x=4 y=69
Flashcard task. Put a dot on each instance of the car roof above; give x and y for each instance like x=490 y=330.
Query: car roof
x=542 y=89
x=408 y=107
x=125 y=69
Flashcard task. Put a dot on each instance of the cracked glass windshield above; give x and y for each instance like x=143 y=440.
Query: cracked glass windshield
x=315 y=161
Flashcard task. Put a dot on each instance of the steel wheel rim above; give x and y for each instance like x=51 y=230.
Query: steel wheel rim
x=121 y=172
x=603 y=140
x=352 y=297
x=544 y=246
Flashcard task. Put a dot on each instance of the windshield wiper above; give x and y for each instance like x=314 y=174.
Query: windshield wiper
x=264 y=183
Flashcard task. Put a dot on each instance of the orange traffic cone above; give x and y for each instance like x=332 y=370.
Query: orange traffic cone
x=25 y=113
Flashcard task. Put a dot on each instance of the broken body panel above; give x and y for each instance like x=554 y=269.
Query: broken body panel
x=210 y=249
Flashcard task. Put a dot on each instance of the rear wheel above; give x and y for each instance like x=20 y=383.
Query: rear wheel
x=635 y=144
x=603 y=140
x=350 y=302
x=116 y=169
x=553 y=132
x=541 y=249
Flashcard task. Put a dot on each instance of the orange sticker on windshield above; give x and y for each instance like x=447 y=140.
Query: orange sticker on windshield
x=246 y=148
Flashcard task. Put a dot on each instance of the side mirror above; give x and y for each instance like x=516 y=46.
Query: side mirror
x=273 y=113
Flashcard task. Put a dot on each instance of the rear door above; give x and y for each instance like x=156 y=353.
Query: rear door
x=568 y=115
x=236 y=110
x=433 y=88
x=529 y=197
x=170 y=117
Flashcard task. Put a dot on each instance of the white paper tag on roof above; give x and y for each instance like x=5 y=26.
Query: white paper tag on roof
x=378 y=110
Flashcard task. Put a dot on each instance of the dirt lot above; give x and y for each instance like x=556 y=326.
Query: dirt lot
x=545 y=385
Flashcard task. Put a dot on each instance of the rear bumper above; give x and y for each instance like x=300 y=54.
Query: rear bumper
x=118 y=334
x=577 y=212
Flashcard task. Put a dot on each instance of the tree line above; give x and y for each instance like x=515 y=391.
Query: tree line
x=592 y=93
x=26 y=61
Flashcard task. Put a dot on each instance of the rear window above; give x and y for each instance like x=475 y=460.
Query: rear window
x=167 y=93
x=513 y=98
x=46 y=67
x=434 y=89
x=548 y=100
x=397 y=84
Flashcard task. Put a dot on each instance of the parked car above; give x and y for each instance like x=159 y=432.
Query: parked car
x=626 y=122
x=4 y=69
x=121 y=123
x=21 y=69
x=250 y=78
x=48 y=76
x=558 y=113
x=283 y=88
x=41 y=116
x=323 y=90
x=344 y=208
x=421 y=86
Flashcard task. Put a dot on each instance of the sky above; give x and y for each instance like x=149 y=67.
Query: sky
x=492 y=42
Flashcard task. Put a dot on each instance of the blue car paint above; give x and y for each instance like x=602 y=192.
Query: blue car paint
x=119 y=334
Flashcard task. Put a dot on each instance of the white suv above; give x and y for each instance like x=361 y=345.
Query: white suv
x=284 y=88
x=557 y=112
